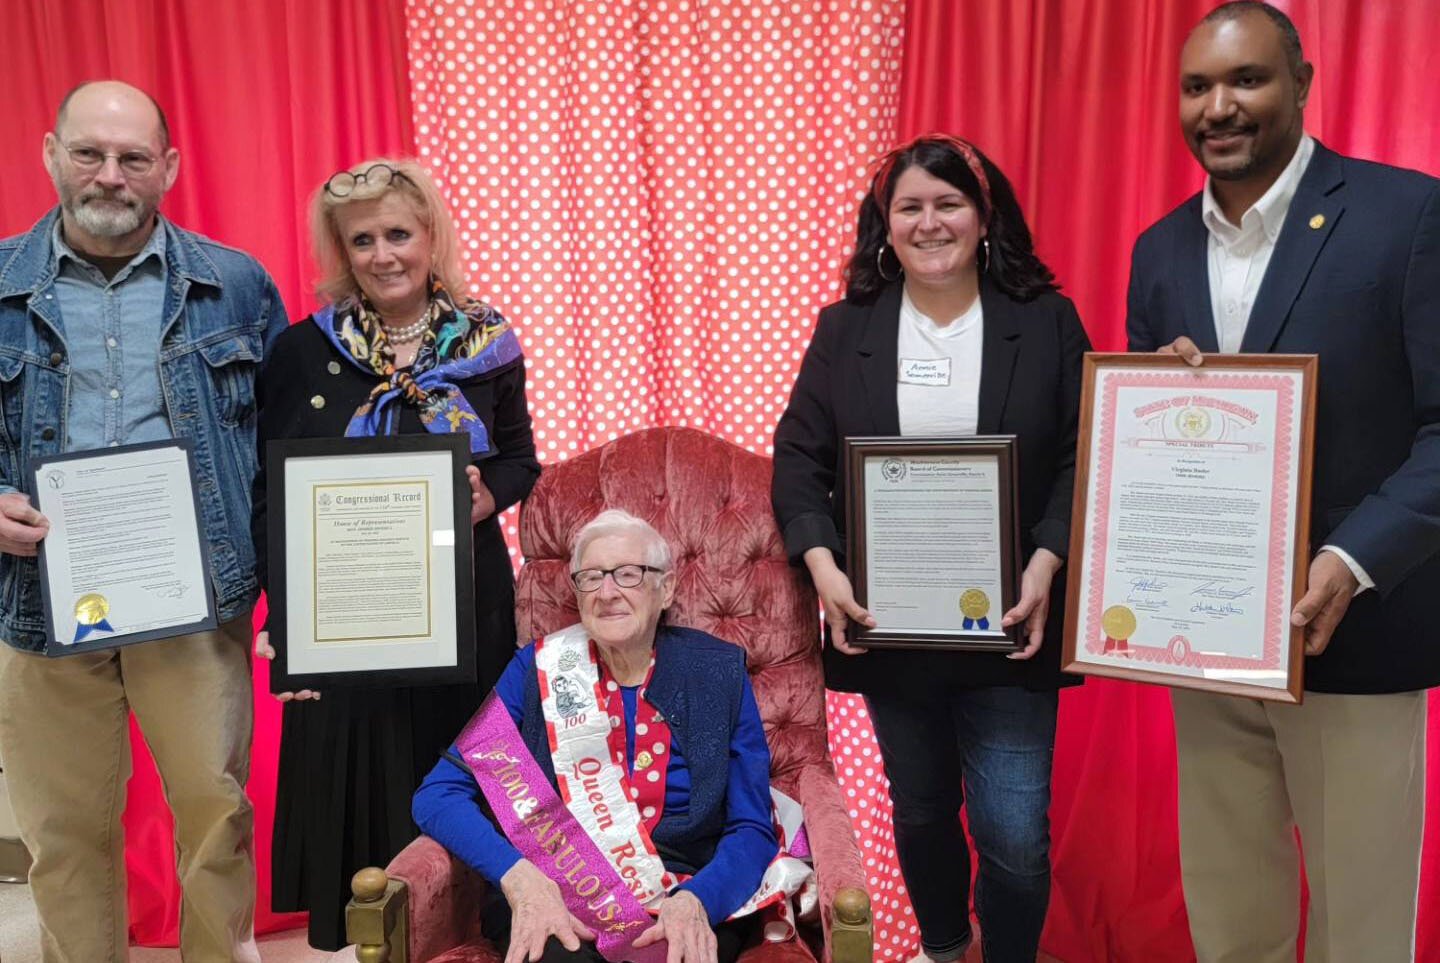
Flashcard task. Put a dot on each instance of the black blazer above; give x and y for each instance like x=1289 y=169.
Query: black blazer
x=1029 y=387
x=1355 y=278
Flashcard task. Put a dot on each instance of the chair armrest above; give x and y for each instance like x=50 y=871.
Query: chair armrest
x=852 y=929
x=839 y=868
x=421 y=905
x=376 y=923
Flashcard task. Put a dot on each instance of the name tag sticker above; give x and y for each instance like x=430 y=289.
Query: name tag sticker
x=932 y=373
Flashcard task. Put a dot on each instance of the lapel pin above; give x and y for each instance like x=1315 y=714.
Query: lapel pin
x=1317 y=222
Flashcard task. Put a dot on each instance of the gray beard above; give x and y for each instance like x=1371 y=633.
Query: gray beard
x=110 y=222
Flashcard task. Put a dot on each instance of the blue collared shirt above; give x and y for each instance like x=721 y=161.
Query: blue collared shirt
x=112 y=330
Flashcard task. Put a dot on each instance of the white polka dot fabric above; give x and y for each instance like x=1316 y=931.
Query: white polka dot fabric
x=867 y=793
x=660 y=194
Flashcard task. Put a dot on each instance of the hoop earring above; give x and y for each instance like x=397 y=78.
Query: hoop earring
x=880 y=265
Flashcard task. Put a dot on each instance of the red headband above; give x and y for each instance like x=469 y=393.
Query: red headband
x=885 y=165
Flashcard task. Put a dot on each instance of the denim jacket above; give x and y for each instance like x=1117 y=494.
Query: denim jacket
x=221 y=311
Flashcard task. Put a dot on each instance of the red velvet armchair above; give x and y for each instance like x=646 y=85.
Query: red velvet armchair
x=711 y=501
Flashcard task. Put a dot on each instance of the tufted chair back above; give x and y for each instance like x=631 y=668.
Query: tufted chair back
x=711 y=501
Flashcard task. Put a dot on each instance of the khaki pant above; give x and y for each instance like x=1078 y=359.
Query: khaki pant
x=1349 y=772
x=64 y=734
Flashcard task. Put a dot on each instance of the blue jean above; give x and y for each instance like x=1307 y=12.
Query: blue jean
x=989 y=749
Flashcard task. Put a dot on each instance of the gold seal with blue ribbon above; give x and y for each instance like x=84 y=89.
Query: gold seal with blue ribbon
x=90 y=611
x=975 y=606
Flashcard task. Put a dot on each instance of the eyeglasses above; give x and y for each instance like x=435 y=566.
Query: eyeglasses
x=344 y=183
x=625 y=576
x=134 y=162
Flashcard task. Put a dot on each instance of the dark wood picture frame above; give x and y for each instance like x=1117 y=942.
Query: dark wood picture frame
x=278 y=453
x=856 y=451
x=1307 y=366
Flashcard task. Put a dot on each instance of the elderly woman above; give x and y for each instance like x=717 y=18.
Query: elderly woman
x=944 y=274
x=401 y=347
x=652 y=736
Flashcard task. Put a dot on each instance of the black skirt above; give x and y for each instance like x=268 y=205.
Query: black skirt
x=349 y=764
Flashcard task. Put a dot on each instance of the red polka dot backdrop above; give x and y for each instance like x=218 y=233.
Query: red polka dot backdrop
x=660 y=194
x=867 y=793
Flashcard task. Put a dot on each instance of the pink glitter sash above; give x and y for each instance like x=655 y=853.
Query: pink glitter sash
x=532 y=816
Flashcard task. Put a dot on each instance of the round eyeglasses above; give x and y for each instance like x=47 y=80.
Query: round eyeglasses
x=343 y=184
x=625 y=576
x=136 y=163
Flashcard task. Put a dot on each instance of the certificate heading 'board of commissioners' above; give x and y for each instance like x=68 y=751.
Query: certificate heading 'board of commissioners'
x=932 y=540
x=1190 y=532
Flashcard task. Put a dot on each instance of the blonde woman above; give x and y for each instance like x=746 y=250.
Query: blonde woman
x=401 y=347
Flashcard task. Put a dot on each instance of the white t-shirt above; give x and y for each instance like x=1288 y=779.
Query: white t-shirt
x=938 y=379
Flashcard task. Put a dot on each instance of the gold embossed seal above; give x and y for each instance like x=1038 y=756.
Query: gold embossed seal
x=974 y=604
x=91 y=608
x=1118 y=622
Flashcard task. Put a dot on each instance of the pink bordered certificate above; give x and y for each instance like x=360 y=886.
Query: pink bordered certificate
x=1190 y=534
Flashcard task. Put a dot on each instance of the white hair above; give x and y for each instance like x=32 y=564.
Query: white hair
x=615 y=522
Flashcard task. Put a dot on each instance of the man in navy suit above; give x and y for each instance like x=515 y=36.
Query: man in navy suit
x=1293 y=248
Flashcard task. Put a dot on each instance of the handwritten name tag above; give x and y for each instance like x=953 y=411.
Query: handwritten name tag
x=932 y=373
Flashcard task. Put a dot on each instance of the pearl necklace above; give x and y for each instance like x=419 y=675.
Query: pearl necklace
x=410 y=332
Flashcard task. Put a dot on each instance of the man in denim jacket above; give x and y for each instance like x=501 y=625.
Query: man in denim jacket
x=117 y=327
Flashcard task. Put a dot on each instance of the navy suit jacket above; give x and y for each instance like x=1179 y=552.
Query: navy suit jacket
x=1360 y=288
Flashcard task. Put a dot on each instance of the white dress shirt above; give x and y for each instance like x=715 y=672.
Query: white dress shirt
x=937 y=382
x=1238 y=258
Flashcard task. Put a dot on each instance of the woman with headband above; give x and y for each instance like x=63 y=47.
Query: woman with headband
x=951 y=325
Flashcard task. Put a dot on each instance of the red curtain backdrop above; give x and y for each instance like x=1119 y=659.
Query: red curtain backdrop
x=265 y=98
x=1077 y=103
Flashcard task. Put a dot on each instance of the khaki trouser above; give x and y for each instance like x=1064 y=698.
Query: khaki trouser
x=64 y=734
x=1349 y=772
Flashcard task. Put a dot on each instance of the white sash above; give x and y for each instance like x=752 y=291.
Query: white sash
x=597 y=790
x=593 y=784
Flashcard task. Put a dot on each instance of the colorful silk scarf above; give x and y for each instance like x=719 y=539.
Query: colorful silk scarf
x=463 y=341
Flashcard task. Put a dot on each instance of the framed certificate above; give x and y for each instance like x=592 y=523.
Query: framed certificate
x=933 y=541
x=1190 y=535
x=125 y=560
x=370 y=570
